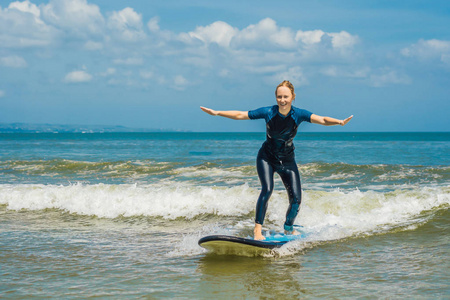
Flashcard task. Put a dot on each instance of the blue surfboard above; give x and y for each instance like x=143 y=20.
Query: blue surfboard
x=233 y=245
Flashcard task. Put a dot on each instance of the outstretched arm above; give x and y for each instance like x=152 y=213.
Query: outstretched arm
x=231 y=114
x=327 y=121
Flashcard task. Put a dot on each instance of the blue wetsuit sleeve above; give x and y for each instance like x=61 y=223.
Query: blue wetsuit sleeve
x=302 y=115
x=259 y=113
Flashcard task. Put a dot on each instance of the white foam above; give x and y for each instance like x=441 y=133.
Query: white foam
x=188 y=245
x=337 y=215
x=328 y=215
x=169 y=200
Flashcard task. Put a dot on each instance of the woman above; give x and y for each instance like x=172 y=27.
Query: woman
x=277 y=152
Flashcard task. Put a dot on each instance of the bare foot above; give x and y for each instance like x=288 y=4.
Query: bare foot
x=293 y=232
x=258 y=233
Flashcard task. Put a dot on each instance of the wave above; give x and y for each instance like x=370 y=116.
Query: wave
x=329 y=215
x=173 y=200
x=348 y=174
x=218 y=172
x=64 y=166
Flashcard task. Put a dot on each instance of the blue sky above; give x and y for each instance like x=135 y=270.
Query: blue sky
x=151 y=64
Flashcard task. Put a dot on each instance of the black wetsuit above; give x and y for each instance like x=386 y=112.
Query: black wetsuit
x=277 y=155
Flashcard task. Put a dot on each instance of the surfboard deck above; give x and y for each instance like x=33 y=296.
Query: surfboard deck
x=233 y=245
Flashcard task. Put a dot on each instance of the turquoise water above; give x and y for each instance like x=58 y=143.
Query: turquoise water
x=119 y=214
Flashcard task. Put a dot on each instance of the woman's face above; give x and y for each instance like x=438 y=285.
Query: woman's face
x=284 y=98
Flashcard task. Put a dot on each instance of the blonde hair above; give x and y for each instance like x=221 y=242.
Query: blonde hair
x=287 y=84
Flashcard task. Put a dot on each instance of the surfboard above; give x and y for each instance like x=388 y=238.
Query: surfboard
x=233 y=245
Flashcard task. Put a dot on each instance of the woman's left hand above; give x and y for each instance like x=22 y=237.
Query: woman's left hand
x=343 y=122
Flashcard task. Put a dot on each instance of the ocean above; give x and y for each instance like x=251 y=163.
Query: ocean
x=118 y=215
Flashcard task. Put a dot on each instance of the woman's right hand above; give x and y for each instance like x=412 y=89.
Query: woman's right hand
x=210 y=111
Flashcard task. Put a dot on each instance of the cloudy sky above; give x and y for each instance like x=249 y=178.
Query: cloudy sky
x=151 y=64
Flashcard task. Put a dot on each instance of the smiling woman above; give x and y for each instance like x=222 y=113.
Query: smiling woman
x=285 y=94
x=277 y=152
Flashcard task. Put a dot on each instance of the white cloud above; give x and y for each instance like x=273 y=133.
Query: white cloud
x=388 y=76
x=76 y=16
x=376 y=78
x=218 y=32
x=146 y=74
x=159 y=37
x=153 y=24
x=264 y=45
x=26 y=6
x=309 y=37
x=331 y=71
x=267 y=49
x=126 y=25
x=349 y=72
x=224 y=73
x=78 y=76
x=318 y=42
x=114 y=81
x=129 y=61
x=266 y=69
x=21 y=26
x=91 y=45
x=263 y=48
x=429 y=50
x=180 y=83
x=343 y=39
x=265 y=33
x=108 y=72
x=13 y=61
x=294 y=75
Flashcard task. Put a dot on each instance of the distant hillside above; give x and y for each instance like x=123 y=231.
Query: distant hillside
x=58 y=128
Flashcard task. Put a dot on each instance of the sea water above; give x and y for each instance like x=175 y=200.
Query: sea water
x=119 y=215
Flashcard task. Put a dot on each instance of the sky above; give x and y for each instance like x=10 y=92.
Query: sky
x=152 y=64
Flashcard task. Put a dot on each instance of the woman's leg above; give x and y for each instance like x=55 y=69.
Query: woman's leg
x=265 y=173
x=291 y=179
